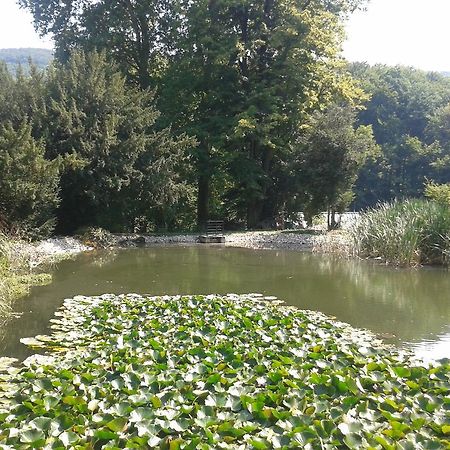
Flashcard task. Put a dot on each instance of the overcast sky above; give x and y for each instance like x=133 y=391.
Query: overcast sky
x=408 y=32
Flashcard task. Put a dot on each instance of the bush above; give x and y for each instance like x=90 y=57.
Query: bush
x=96 y=237
x=406 y=233
x=438 y=192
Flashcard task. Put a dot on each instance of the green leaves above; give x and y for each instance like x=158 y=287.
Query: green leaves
x=185 y=384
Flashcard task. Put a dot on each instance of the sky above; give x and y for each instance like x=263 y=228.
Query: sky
x=407 y=32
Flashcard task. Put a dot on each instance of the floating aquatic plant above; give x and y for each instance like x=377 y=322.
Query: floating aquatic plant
x=217 y=372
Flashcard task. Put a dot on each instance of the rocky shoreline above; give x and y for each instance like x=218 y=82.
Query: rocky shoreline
x=247 y=239
x=57 y=248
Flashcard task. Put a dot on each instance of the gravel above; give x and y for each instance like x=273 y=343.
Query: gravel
x=57 y=247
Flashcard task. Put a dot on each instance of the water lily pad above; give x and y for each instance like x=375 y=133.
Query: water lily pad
x=210 y=372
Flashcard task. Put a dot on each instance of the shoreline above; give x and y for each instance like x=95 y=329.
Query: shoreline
x=57 y=248
x=256 y=240
x=29 y=264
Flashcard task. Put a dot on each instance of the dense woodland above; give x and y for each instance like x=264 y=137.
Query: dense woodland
x=160 y=115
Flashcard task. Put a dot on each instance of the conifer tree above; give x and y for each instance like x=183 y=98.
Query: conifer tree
x=117 y=165
x=28 y=183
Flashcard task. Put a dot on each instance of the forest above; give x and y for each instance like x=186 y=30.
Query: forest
x=160 y=115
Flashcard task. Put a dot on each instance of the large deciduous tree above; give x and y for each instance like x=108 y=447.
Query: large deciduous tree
x=255 y=71
x=240 y=75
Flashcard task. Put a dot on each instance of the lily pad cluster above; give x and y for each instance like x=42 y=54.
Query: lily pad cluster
x=217 y=372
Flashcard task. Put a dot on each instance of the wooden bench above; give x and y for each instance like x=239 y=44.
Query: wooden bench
x=214 y=227
x=214 y=233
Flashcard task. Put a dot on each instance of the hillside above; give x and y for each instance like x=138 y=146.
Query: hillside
x=41 y=57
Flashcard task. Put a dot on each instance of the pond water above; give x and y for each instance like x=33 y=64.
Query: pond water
x=410 y=308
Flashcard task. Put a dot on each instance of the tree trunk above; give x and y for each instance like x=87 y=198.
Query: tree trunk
x=202 y=201
x=254 y=209
x=160 y=220
x=332 y=223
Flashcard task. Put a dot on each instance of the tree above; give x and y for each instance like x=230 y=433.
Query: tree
x=402 y=106
x=255 y=71
x=117 y=166
x=333 y=150
x=28 y=182
x=288 y=67
x=136 y=33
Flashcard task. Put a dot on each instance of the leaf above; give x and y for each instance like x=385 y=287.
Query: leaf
x=41 y=423
x=259 y=444
x=117 y=424
x=32 y=437
x=68 y=438
x=156 y=401
x=105 y=435
x=353 y=441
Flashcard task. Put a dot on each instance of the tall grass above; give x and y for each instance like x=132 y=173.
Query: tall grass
x=406 y=233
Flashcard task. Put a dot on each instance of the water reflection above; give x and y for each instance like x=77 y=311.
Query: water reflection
x=407 y=307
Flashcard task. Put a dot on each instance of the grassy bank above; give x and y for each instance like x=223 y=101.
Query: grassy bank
x=406 y=233
x=211 y=372
x=20 y=268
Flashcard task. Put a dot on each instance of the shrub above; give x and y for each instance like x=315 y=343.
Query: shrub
x=96 y=237
x=407 y=233
x=438 y=192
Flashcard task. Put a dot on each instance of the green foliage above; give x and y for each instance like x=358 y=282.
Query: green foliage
x=139 y=34
x=241 y=77
x=21 y=96
x=407 y=113
x=440 y=193
x=332 y=152
x=118 y=166
x=406 y=233
x=28 y=184
x=207 y=372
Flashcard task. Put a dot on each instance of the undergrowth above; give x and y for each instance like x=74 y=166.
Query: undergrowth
x=19 y=270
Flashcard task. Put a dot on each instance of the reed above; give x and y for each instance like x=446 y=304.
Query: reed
x=406 y=233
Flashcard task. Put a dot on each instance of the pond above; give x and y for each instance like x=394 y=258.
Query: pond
x=409 y=308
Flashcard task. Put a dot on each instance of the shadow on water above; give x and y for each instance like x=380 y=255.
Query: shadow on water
x=406 y=307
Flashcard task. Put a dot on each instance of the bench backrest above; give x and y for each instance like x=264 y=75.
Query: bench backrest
x=214 y=227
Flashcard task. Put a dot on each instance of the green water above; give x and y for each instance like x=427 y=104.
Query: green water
x=410 y=308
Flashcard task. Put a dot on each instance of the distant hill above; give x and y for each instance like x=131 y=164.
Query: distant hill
x=446 y=74
x=41 y=57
